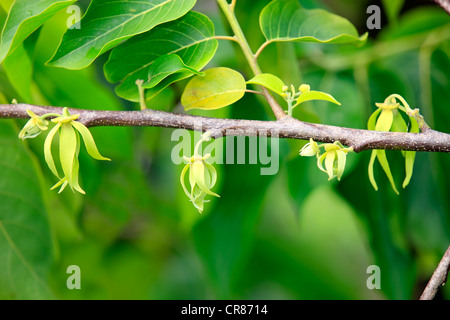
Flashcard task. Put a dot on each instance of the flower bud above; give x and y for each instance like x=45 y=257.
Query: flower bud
x=304 y=88
x=33 y=127
x=310 y=149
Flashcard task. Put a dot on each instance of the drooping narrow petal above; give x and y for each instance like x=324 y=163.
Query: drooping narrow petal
x=88 y=141
x=410 y=156
x=76 y=169
x=329 y=163
x=320 y=161
x=381 y=154
x=48 y=149
x=341 y=159
x=371 y=163
x=182 y=178
x=67 y=150
x=62 y=182
x=213 y=174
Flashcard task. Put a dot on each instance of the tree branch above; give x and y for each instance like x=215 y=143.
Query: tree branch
x=288 y=127
x=439 y=277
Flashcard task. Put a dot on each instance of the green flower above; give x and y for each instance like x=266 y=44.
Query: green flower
x=388 y=118
x=69 y=147
x=310 y=149
x=202 y=177
x=335 y=157
x=33 y=127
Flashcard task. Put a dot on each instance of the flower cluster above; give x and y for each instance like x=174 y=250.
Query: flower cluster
x=34 y=126
x=202 y=176
x=388 y=118
x=334 y=156
x=69 y=131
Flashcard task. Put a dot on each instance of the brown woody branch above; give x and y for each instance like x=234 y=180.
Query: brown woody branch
x=288 y=127
x=438 y=278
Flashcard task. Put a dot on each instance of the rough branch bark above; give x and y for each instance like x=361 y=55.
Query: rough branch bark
x=430 y=140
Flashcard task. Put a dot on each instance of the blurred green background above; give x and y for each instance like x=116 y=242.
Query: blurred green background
x=293 y=235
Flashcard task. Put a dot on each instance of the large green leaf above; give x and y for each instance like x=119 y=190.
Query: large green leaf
x=26 y=251
x=287 y=20
x=165 y=66
x=24 y=17
x=19 y=70
x=218 y=88
x=189 y=37
x=109 y=22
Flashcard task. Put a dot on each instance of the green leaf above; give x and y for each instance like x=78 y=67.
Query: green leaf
x=269 y=81
x=26 y=249
x=218 y=88
x=287 y=20
x=190 y=37
x=19 y=70
x=315 y=95
x=108 y=23
x=165 y=66
x=25 y=16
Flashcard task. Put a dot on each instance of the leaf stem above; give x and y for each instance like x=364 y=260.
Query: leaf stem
x=225 y=38
x=261 y=48
x=232 y=4
x=240 y=38
x=254 y=91
x=141 y=94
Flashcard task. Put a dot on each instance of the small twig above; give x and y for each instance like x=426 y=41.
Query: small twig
x=438 y=279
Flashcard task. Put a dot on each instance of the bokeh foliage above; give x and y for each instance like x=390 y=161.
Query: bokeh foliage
x=289 y=236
